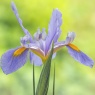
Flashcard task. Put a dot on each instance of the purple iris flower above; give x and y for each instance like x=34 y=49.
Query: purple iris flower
x=38 y=47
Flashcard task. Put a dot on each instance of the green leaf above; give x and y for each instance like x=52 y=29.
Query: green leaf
x=54 y=81
x=33 y=80
x=43 y=84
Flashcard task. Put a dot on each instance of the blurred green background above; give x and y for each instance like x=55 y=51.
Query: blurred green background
x=72 y=78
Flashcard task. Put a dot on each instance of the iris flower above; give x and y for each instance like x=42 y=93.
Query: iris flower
x=38 y=47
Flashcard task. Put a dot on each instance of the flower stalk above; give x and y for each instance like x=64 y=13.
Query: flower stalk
x=43 y=84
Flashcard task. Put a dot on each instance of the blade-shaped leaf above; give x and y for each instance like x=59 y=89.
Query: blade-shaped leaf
x=43 y=84
x=54 y=81
x=33 y=80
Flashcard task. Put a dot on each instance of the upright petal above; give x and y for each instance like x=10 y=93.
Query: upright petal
x=54 y=28
x=35 y=59
x=41 y=44
x=37 y=35
x=80 y=56
x=44 y=35
x=13 y=59
x=25 y=40
x=19 y=20
x=40 y=35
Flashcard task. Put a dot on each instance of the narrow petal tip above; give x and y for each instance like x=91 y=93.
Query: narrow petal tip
x=13 y=7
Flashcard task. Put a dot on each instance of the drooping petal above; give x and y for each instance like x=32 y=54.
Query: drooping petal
x=36 y=60
x=54 y=28
x=80 y=57
x=13 y=59
x=70 y=37
x=19 y=20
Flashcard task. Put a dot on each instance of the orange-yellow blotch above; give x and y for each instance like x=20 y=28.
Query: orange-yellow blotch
x=19 y=51
x=44 y=58
x=74 y=47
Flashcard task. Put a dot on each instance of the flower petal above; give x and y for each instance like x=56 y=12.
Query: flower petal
x=59 y=45
x=19 y=20
x=25 y=40
x=40 y=35
x=41 y=44
x=35 y=59
x=44 y=35
x=54 y=28
x=37 y=35
x=80 y=57
x=70 y=37
x=11 y=62
x=36 y=50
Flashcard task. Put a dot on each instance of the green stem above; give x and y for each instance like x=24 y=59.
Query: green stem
x=43 y=84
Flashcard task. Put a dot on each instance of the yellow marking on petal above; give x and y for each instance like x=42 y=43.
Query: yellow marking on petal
x=40 y=53
x=19 y=51
x=74 y=47
x=37 y=52
x=44 y=58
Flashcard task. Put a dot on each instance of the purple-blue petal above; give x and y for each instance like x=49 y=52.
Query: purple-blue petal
x=54 y=28
x=80 y=57
x=19 y=20
x=59 y=45
x=70 y=37
x=34 y=59
x=25 y=40
x=40 y=44
x=10 y=63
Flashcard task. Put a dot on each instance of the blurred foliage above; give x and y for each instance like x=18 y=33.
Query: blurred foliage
x=72 y=78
